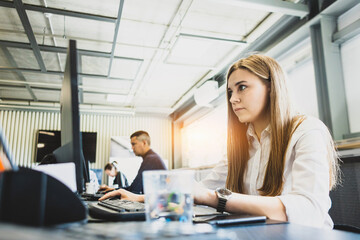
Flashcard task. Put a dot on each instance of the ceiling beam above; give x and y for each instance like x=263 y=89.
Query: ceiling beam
x=55 y=87
x=5 y=43
x=348 y=32
x=48 y=48
x=29 y=32
x=117 y=24
x=276 y=6
x=69 y=13
x=60 y=12
x=192 y=36
x=6 y=4
x=78 y=38
x=12 y=62
x=62 y=73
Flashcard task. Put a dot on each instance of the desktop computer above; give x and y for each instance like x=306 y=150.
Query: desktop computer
x=71 y=143
x=31 y=197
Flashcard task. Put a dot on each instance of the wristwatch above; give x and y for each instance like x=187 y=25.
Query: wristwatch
x=223 y=195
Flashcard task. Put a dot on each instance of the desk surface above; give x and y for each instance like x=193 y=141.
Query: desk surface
x=135 y=230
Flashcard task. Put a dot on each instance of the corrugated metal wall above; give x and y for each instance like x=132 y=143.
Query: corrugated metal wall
x=20 y=129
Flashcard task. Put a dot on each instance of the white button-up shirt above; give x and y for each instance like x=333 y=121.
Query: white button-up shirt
x=305 y=193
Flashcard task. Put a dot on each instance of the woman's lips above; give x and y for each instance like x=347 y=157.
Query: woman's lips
x=238 y=109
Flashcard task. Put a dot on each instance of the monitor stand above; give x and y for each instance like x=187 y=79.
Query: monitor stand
x=34 y=198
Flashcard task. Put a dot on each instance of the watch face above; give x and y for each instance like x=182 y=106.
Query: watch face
x=223 y=192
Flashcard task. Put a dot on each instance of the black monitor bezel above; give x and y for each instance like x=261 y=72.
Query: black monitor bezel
x=71 y=142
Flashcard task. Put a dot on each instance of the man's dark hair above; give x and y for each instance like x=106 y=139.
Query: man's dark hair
x=141 y=135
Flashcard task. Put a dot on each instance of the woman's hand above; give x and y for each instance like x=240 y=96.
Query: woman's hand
x=125 y=195
x=204 y=196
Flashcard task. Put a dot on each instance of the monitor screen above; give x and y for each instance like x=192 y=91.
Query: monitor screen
x=48 y=140
x=71 y=143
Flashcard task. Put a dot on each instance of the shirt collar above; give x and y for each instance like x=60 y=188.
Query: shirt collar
x=251 y=135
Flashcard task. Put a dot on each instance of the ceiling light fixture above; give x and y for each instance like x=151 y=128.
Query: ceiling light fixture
x=89 y=108
x=116 y=98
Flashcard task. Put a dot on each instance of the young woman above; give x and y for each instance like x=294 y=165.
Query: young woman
x=279 y=164
x=119 y=180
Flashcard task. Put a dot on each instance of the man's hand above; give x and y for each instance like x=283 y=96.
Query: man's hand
x=103 y=186
x=125 y=195
x=105 y=189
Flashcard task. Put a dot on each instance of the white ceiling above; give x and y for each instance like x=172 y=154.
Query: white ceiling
x=163 y=51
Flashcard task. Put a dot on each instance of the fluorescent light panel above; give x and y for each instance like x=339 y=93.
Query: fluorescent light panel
x=116 y=98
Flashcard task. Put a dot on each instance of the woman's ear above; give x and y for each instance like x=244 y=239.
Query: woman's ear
x=269 y=86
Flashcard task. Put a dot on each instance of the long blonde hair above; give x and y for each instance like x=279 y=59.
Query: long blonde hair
x=282 y=123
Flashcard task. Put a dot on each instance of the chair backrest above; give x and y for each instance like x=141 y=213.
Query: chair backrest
x=345 y=199
x=98 y=173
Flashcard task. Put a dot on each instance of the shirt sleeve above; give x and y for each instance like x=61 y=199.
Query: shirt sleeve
x=217 y=177
x=308 y=201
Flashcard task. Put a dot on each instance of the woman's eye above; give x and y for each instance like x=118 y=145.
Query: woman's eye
x=242 y=87
x=229 y=93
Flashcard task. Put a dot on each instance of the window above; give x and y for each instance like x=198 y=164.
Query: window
x=350 y=55
x=204 y=141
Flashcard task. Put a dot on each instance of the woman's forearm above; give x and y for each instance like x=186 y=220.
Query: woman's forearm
x=270 y=207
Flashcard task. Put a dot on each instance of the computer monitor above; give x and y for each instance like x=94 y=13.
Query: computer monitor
x=49 y=140
x=71 y=143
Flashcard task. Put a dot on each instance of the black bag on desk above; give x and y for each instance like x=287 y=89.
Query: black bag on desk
x=34 y=198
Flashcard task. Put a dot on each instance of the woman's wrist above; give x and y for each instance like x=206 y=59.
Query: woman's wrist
x=208 y=198
x=213 y=199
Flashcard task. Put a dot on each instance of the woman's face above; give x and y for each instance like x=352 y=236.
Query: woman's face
x=111 y=173
x=249 y=96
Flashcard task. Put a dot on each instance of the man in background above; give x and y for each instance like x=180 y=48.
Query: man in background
x=140 y=143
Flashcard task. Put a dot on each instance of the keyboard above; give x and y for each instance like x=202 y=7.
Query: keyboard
x=91 y=197
x=117 y=210
x=123 y=205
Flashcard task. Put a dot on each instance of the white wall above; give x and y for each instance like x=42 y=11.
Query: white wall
x=20 y=129
x=302 y=89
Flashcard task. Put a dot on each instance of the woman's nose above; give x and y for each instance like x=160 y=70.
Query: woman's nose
x=234 y=98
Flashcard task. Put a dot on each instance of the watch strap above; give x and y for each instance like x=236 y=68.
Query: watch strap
x=221 y=205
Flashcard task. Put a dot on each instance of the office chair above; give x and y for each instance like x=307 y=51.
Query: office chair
x=98 y=172
x=345 y=210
